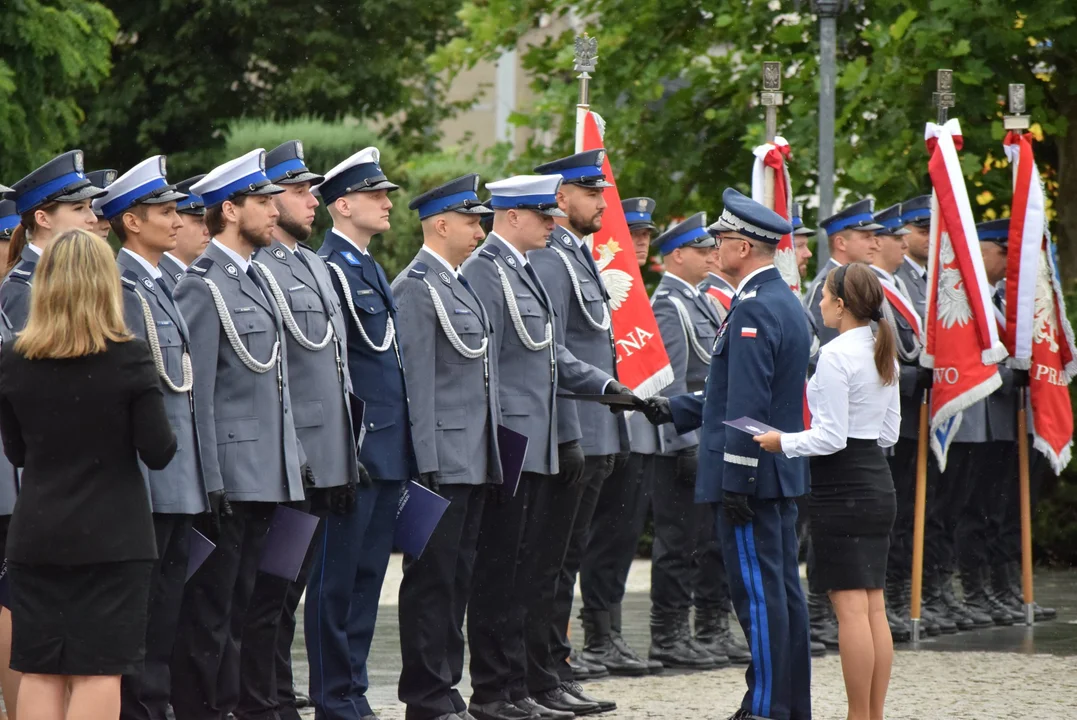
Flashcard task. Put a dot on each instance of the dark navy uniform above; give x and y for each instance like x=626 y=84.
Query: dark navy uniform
x=758 y=366
x=352 y=551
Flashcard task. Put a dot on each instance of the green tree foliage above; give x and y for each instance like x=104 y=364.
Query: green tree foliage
x=677 y=82
x=53 y=57
x=186 y=69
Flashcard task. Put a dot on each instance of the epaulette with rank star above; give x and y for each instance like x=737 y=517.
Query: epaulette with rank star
x=418 y=271
x=201 y=265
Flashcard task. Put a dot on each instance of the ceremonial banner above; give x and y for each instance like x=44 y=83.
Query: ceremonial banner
x=962 y=343
x=642 y=363
x=779 y=199
x=1038 y=333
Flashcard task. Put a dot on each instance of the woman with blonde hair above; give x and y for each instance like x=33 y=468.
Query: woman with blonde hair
x=853 y=398
x=80 y=403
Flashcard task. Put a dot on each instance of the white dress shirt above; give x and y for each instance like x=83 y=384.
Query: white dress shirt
x=354 y=244
x=444 y=262
x=847 y=399
x=521 y=258
x=242 y=262
x=687 y=285
x=154 y=272
x=173 y=258
x=744 y=282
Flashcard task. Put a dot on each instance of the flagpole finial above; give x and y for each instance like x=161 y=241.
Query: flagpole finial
x=1016 y=119
x=585 y=58
x=771 y=96
x=943 y=97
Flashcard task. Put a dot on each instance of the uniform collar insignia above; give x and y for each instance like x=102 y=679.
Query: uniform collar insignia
x=511 y=261
x=147 y=282
x=231 y=269
x=179 y=276
x=445 y=277
x=688 y=293
x=567 y=240
x=279 y=253
x=352 y=260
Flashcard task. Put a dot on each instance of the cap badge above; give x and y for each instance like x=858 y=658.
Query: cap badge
x=231 y=269
x=511 y=261
x=279 y=253
x=600 y=157
x=163 y=173
x=148 y=283
x=78 y=161
x=445 y=277
x=642 y=206
x=299 y=149
x=262 y=161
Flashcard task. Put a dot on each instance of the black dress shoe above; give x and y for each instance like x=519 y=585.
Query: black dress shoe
x=584 y=669
x=573 y=688
x=302 y=700
x=818 y=649
x=498 y=710
x=743 y=714
x=558 y=699
x=542 y=712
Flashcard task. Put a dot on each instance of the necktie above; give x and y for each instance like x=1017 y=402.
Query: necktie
x=540 y=291
x=306 y=263
x=164 y=288
x=590 y=259
x=253 y=275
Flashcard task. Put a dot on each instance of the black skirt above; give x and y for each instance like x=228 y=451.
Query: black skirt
x=79 y=619
x=851 y=509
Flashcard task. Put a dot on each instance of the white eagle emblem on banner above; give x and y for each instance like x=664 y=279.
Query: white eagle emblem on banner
x=1044 y=320
x=785 y=259
x=954 y=306
x=618 y=283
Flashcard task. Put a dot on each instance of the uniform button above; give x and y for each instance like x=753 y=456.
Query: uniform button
x=371 y=426
x=439 y=423
x=751 y=479
x=231 y=436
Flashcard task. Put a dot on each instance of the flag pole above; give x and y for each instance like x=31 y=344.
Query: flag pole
x=1018 y=120
x=943 y=99
x=585 y=58
x=770 y=98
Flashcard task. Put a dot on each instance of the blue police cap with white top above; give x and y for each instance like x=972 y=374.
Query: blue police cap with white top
x=9 y=219
x=858 y=216
x=526 y=192
x=359 y=173
x=995 y=231
x=917 y=211
x=285 y=165
x=243 y=176
x=62 y=179
x=191 y=204
x=753 y=220
x=890 y=220
x=459 y=195
x=638 y=213
x=584 y=169
x=144 y=184
x=691 y=232
x=797 y=221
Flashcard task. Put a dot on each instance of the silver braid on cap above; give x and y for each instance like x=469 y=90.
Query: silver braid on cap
x=289 y=320
x=689 y=332
x=604 y=324
x=517 y=321
x=390 y=327
x=233 y=337
x=450 y=332
x=158 y=359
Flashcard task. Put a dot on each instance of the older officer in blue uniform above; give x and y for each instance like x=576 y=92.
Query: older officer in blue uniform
x=140 y=207
x=758 y=365
x=527 y=349
x=191 y=238
x=250 y=452
x=352 y=550
x=449 y=360
x=54 y=198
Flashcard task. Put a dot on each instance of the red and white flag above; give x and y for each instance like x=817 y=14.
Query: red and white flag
x=642 y=362
x=961 y=336
x=724 y=297
x=1038 y=334
x=778 y=198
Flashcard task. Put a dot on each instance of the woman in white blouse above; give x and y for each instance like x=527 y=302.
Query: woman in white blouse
x=853 y=398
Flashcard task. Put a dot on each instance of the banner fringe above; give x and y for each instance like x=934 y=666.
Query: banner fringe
x=962 y=402
x=1058 y=461
x=655 y=383
x=995 y=355
x=937 y=448
x=1020 y=363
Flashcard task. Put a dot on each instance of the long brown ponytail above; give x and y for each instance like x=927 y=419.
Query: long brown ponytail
x=862 y=294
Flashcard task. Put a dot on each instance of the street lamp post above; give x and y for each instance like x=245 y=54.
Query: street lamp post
x=828 y=11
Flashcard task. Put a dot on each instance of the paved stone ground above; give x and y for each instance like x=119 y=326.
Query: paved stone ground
x=995 y=673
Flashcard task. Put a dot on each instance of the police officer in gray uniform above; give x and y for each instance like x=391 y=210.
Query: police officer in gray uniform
x=140 y=207
x=506 y=579
x=245 y=429
x=192 y=237
x=451 y=371
x=916 y=218
x=300 y=287
x=581 y=305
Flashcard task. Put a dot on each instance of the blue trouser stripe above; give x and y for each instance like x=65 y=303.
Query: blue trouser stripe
x=764 y=625
x=753 y=609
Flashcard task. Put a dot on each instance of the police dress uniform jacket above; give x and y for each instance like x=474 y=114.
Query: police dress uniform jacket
x=527 y=350
x=688 y=324
x=374 y=363
x=451 y=367
x=316 y=335
x=245 y=427
x=15 y=290
x=581 y=305
x=179 y=488
x=172 y=272
x=757 y=370
x=814 y=299
x=908 y=350
x=9 y=478
x=915 y=279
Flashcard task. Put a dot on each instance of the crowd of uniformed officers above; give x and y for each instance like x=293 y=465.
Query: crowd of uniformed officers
x=309 y=379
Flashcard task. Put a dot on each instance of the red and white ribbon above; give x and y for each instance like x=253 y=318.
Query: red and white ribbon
x=773 y=155
x=902 y=305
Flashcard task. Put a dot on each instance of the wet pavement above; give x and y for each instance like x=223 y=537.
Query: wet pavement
x=992 y=673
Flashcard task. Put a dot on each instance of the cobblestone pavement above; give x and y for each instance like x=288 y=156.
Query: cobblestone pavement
x=995 y=673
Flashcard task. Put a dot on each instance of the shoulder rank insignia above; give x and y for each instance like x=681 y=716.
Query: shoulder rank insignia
x=445 y=277
x=749 y=295
x=128 y=282
x=418 y=270
x=278 y=253
x=661 y=293
x=349 y=256
x=19 y=271
x=490 y=251
x=232 y=270
x=201 y=265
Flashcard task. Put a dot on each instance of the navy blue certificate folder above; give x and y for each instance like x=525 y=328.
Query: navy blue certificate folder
x=417 y=515
x=513 y=449
x=199 y=549
x=289 y=536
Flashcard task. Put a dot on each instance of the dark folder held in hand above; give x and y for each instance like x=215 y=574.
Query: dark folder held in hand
x=513 y=449
x=417 y=515
x=750 y=426
x=625 y=401
x=199 y=548
x=289 y=536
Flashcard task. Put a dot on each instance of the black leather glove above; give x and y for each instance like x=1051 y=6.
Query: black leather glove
x=307 y=476
x=736 y=508
x=429 y=480
x=341 y=499
x=570 y=460
x=687 y=464
x=219 y=508
x=656 y=410
x=616 y=388
x=364 y=477
x=924 y=378
x=1021 y=378
x=620 y=460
